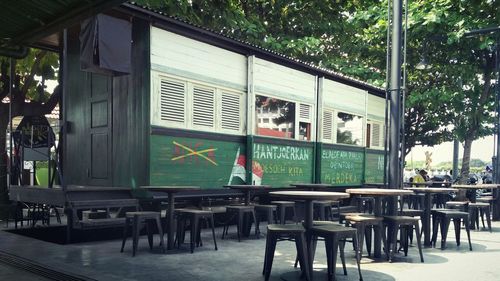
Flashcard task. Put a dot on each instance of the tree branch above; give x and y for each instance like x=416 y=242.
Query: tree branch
x=30 y=78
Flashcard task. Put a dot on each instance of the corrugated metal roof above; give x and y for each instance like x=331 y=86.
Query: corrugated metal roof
x=296 y=61
x=25 y=21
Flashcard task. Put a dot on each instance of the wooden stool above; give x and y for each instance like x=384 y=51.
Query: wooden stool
x=194 y=217
x=269 y=211
x=363 y=225
x=240 y=211
x=407 y=224
x=335 y=236
x=135 y=219
x=278 y=232
x=477 y=210
x=282 y=207
x=443 y=217
x=458 y=205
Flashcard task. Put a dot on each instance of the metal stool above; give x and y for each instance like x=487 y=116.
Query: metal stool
x=443 y=217
x=194 y=217
x=477 y=210
x=239 y=212
x=279 y=232
x=282 y=207
x=135 y=219
x=335 y=237
x=407 y=224
x=363 y=225
x=269 y=211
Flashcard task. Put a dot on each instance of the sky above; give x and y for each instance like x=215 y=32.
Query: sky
x=481 y=149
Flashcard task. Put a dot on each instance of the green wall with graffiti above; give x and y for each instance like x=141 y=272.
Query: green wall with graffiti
x=342 y=166
x=280 y=164
x=195 y=161
x=374 y=167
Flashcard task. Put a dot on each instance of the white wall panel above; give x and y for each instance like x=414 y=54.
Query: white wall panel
x=344 y=97
x=284 y=82
x=376 y=107
x=178 y=55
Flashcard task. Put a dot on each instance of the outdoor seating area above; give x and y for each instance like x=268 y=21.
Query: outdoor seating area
x=394 y=238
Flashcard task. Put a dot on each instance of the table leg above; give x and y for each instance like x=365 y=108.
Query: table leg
x=170 y=221
x=496 y=204
x=426 y=220
x=377 y=239
x=308 y=224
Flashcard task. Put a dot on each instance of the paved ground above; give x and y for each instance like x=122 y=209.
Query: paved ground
x=243 y=261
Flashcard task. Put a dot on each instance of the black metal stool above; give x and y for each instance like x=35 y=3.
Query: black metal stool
x=323 y=210
x=135 y=219
x=269 y=211
x=364 y=225
x=279 y=232
x=194 y=217
x=477 y=210
x=282 y=207
x=442 y=218
x=335 y=236
x=407 y=224
x=240 y=211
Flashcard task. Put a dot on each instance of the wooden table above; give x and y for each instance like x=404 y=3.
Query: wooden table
x=247 y=190
x=308 y=197
x=426 y=220
x=496 y=195
x=378 y=194
x=170 y=190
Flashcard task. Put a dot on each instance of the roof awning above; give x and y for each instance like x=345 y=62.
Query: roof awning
x=24 y=22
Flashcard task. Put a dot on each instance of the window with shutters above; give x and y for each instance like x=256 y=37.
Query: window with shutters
x=192 y=105
x=173 y=101
x=203 y=107
x=305 y=120
x=231 y=117
x=328 y=125
x=375 y=134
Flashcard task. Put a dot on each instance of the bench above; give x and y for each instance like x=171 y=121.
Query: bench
x=76 y=221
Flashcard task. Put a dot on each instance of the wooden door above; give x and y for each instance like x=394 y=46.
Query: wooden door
x=100 y=170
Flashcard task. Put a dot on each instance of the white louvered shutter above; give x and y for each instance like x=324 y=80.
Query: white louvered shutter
x=376 y=131
x=230 y=112
x=172 y=101
x=327 y=125
x=305 y=112
x=203 y=106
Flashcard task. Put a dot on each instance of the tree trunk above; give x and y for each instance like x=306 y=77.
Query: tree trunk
x=464 y=172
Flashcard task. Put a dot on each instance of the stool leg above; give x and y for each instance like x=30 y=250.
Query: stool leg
x=488 y=218
x=269 y=256
x=435 y=227
x=240 y=225
x=358 y=254
x=445 y=223
x=329 y=256
x=457 y=230
x=194 y=233
x=419 y=241
x=302 y=252
x=136 y=230
x=467 y=229
x=212 y=224
x=342 y=255
x=160 y=232
x=394 y=241
x=481 y=214
x=125 y=230
x=361 y=236
x=149 y=231
x=282 y=215
x=335 y=247
x=368 y=239
x=268 y=243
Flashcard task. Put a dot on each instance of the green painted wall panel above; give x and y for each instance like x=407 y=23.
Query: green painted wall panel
x=281 y=165
x=342 y=166
x=195 y=161
x=374 y=168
